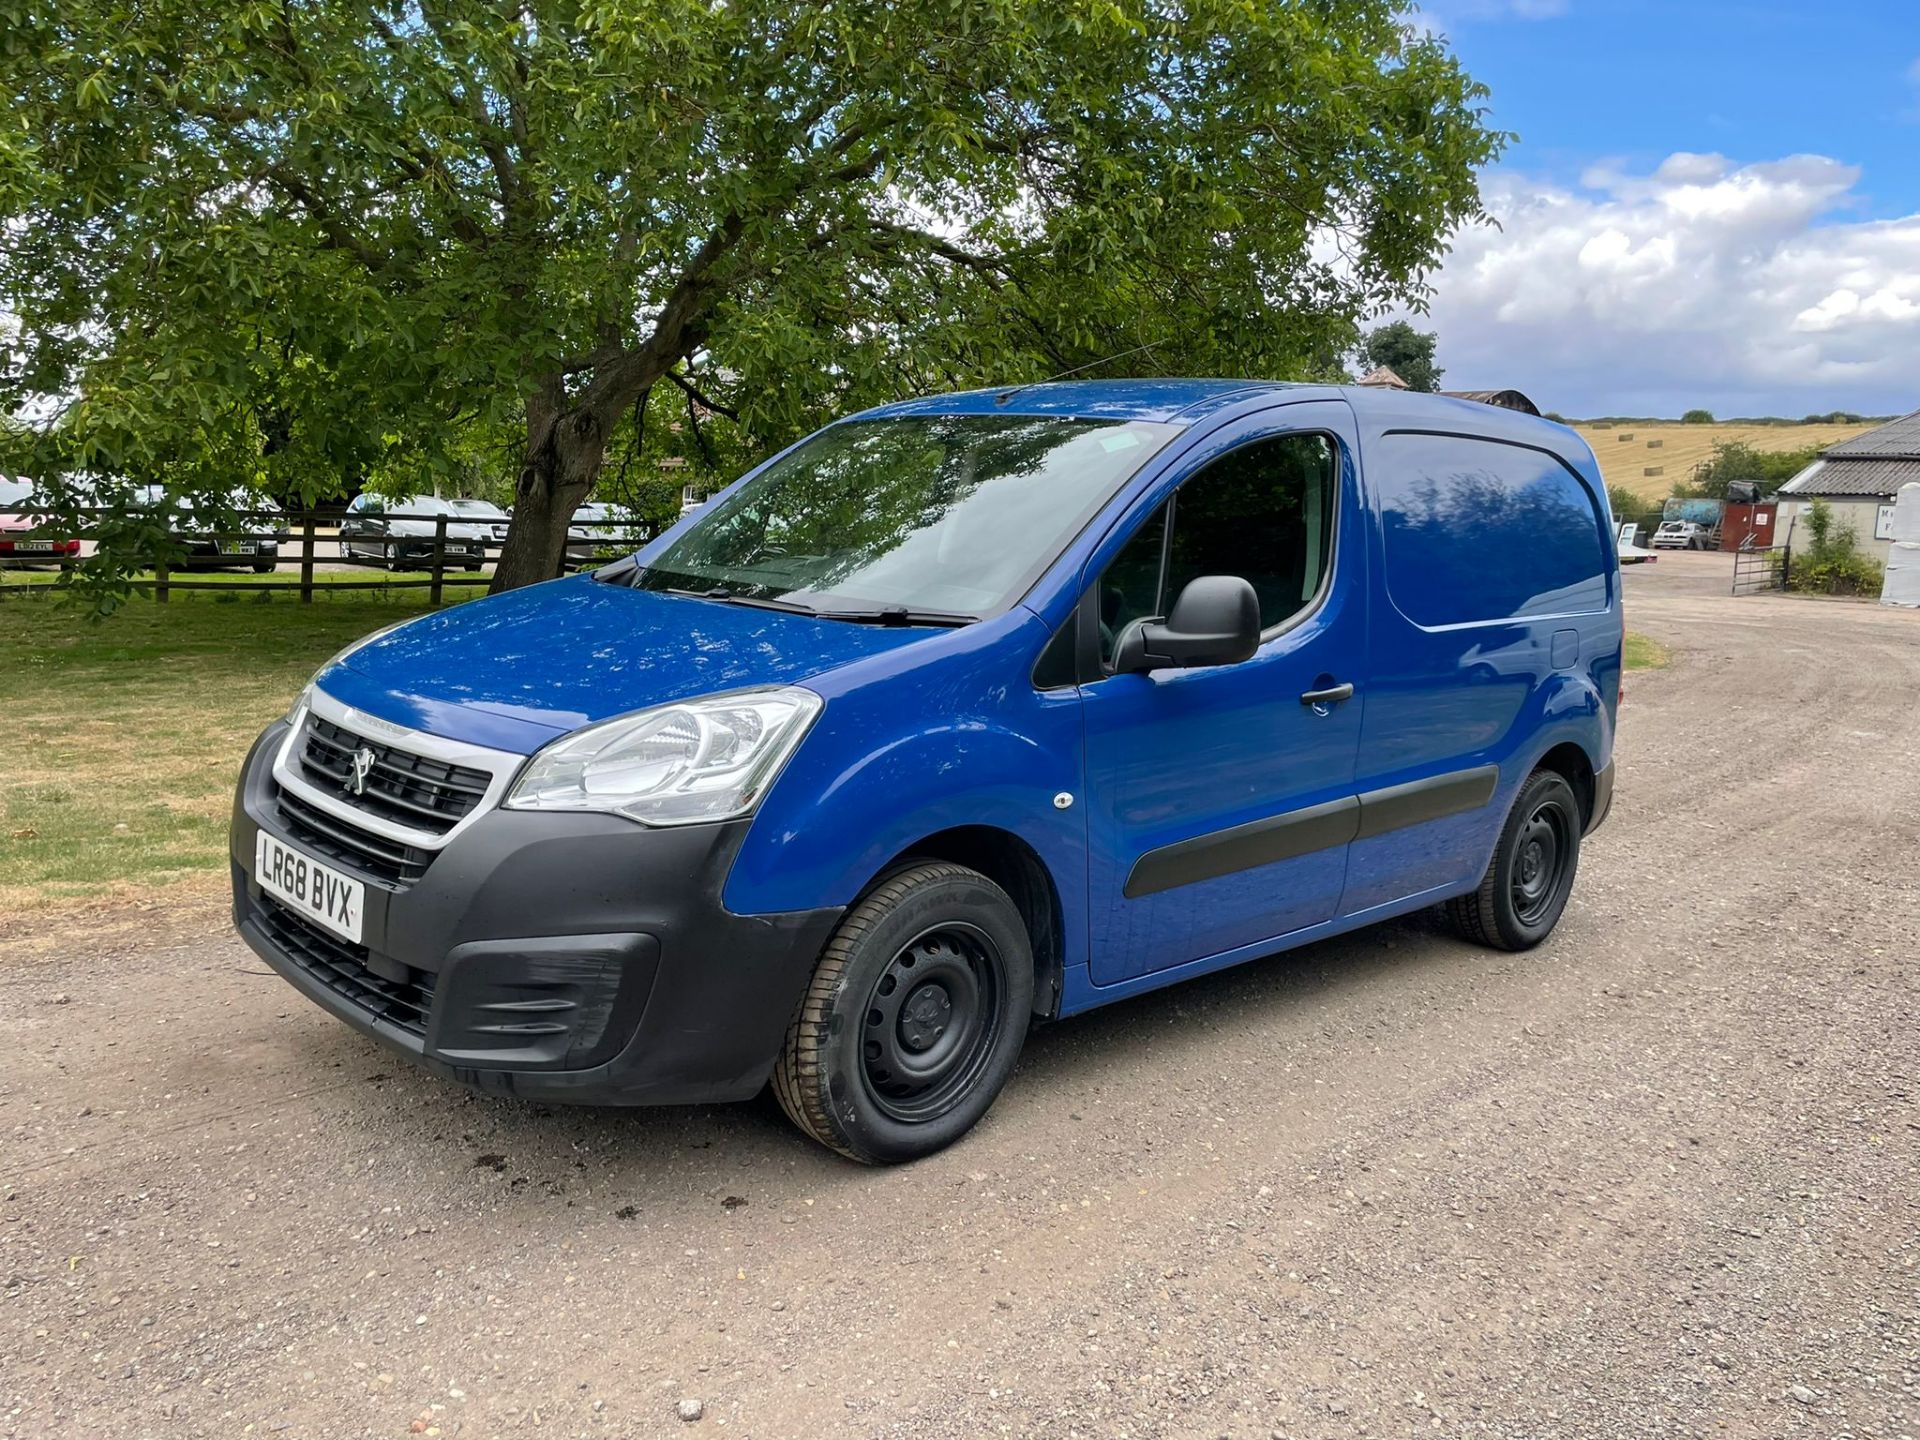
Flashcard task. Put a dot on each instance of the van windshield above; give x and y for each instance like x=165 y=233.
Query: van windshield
x=955 y=514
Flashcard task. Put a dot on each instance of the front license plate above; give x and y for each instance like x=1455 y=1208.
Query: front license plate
x=319 y=892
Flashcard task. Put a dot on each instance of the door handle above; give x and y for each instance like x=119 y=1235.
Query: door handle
x=1331 y=695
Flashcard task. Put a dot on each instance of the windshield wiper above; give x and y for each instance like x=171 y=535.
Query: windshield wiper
x=899 y=615
x=884 y=615
x=734 y=597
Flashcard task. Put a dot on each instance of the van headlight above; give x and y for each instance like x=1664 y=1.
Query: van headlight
x=680 y=764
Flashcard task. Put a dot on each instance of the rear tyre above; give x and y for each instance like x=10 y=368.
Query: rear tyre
x=265 y=567
x=1531 y=875
x=914 y=1017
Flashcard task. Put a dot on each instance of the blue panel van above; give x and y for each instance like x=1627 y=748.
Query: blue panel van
x=960 y=714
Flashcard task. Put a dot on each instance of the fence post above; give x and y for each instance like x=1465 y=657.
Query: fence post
x=439 y=559
x=160 y=580
x=306 y=558
x=1786 y=565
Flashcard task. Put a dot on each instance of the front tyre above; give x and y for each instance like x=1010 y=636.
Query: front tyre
x=913 y=1019
x=1526 y=886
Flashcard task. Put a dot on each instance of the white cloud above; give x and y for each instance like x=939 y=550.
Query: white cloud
x=1744 y=288
x=1429 y=22
x=1507 y=9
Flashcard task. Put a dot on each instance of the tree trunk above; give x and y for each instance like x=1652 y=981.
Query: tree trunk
x=565 y=449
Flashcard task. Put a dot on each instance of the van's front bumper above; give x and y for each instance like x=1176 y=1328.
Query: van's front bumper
x=546 y=955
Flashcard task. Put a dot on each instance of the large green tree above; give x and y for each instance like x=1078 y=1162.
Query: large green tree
x=1405 y=351
x=312 y=244
x=1736 y=460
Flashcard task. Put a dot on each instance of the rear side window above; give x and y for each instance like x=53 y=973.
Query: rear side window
x=1478 y=530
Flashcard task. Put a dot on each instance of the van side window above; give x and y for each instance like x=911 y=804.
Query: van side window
x=1477 y=530
x=1130 y=588
x=1263 y=512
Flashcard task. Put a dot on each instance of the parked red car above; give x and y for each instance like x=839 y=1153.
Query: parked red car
x=21 y=537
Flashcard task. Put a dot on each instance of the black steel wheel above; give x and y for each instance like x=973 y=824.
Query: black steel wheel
x=913 y=1019
x=1525 y=889
x=930 y=1022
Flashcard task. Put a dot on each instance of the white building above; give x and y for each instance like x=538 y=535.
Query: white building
x=1858 y=478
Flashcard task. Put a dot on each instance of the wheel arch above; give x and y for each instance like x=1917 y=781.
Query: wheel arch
x=1570 y=761
x=1016 y=867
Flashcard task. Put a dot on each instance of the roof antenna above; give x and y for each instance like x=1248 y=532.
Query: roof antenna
x=1008 y=394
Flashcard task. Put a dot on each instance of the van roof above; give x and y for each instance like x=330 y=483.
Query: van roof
x=1182 y=402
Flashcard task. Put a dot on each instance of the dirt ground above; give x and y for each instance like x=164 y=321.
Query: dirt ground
x=1656 y=1179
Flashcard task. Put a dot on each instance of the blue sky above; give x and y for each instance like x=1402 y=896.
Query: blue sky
x=1711 y=202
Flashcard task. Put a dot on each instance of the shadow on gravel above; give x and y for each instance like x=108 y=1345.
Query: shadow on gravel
x=1185 y=1016
x=634 y=1162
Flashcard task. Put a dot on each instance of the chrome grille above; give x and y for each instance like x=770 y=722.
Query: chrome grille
x=402 y=787
x=357 y=849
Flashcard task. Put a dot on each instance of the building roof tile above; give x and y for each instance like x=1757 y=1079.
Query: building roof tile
x=1839 y=475
x=1896 y=439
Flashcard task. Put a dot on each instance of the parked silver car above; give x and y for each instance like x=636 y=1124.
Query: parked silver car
x=601 y=530
x=400 y=533
x=1680 y=535
x=485 y=513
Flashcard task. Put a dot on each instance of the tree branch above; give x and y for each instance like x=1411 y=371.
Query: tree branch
x=990 y=267
x=695 y=394
x=339 y=234
x=693 y=419
x=487 y=130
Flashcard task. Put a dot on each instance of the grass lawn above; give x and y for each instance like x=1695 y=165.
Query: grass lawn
x=124 y=737
x=1646 y=653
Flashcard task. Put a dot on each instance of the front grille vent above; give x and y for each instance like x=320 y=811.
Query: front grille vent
x=399 y=786
x=342 y=967
x=341 y=840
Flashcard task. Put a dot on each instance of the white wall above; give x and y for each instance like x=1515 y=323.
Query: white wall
x=1863 y=514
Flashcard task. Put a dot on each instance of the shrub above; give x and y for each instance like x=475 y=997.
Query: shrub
x=1849 y=574
x=1697 y=417
x=1831 y=565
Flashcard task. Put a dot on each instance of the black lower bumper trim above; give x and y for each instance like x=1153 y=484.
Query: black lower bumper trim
x=1602 y=797
x=343 y=968
x=557 y=956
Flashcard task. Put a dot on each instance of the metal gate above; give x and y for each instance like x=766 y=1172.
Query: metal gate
x=1761 y=567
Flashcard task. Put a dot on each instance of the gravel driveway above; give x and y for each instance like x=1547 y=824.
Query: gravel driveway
x=1657 y=1178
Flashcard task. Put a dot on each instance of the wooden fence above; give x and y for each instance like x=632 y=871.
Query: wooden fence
x=456 y=554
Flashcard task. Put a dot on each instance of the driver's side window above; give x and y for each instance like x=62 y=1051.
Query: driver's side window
x=1263 y=512
x=1130 y=586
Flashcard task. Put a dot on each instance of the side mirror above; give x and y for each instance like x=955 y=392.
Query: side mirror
x=1216 y=621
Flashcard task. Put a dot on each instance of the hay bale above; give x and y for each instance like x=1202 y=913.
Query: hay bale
x=1626 y=434
x=1655 y=444
x=1654 y=470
